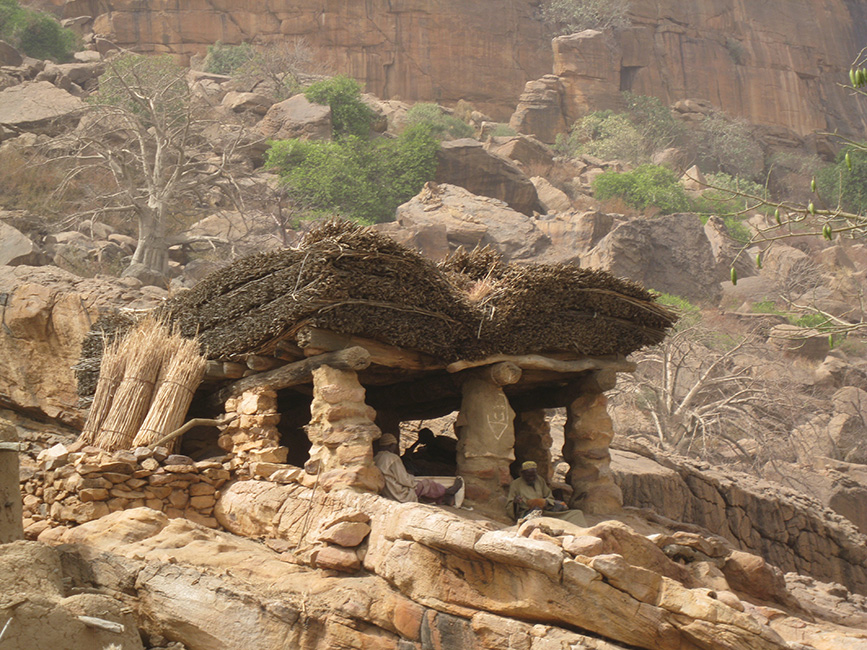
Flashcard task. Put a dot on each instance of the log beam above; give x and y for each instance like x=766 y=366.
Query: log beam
x=541 y=362
x=292 y=374
x=316 y=341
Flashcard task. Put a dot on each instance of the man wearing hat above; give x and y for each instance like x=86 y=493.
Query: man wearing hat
x=529 y=494
x=402 y=486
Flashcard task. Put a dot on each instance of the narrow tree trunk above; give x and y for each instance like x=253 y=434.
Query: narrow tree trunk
x=11 y=528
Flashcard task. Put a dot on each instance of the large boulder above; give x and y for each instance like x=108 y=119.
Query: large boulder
x=539 y=111
x=46 y=314
x=38 y=107
x=296 y=118
x=574 y=234
x=669 y=253
x=466 y=163
x=15 y=247
x=527 y=152
x=450 y=216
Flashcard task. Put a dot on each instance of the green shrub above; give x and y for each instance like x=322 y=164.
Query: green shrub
x=645 y=127
x=360 y=179
x=35 y=33
x=349 y=115
x=838 y=184
x=440 y=124
x=578 y=15
x=766 y=307
x=227 y=59
x=647 y=186
x=688 y=313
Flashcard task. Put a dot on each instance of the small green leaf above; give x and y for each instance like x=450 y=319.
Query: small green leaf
x=811 y=208
x=852 y=77
x=831 y=341
x=759 y=260
x=777 y=217
x=848 y=162
x=734 y=276
x=813 y=185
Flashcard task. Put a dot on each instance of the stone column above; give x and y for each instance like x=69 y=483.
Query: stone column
x=486 y=435
x=533 y=440
x=253 y=436
x=341 y=432
x=588 y=434
x=11 y=526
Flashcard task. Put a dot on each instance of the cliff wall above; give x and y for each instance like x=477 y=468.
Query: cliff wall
x=777 y=63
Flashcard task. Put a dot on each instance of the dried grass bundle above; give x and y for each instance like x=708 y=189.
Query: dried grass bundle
x=183 y=374
x=111 y=371
x=144 y=350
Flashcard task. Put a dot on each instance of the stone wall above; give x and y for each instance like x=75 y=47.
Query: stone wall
x=77 y=483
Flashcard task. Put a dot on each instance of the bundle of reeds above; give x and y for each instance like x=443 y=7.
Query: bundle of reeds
x=111 y=371
x=182 y=375
x=144 y=350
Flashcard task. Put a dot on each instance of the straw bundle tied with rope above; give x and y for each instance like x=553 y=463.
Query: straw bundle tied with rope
x=175 y=390
x=144 y=350
x=110 y=375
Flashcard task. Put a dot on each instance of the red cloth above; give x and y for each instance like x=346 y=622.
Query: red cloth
x=428 y=489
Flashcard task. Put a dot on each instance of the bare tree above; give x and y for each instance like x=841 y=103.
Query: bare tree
x=282 y=67
x=704 y=391
x=146 y=134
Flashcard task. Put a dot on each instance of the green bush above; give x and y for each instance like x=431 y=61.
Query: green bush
x=440 y=124
x=645 y=127
x=647 y=186
x=349 y=115
x=357 y=178
x=578 y=15
x=838 y=184
x=35 y=33
x=227 y=59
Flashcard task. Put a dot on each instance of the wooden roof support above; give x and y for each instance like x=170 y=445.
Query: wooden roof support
x=540 y=362
x=292 y=374
x=315 y=341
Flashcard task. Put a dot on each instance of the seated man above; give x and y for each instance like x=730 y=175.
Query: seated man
x=402 y=486
x=529 y=494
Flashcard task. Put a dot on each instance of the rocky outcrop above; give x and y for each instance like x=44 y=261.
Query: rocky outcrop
x=41 y=613
x=467 y=163
x=668 y=253
x=45 y=314
x=777 y=64
x=442 y=217
x=296 y=118
x=38 y=107
x=791 y=531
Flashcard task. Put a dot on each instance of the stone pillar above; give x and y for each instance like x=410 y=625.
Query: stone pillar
x=486 y=435
x=253 y=436
x=588 y=434
x=341 y=432
x=533 y=441
x=11 y=526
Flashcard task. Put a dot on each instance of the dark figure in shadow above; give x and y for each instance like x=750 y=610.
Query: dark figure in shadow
x=431 y=455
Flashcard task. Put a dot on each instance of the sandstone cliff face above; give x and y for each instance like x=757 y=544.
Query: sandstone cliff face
x=775 y=62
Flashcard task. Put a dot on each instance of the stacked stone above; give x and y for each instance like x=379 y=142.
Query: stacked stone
x=79 y=483
x=341 y=433
x=252 y=437
x=587 y=438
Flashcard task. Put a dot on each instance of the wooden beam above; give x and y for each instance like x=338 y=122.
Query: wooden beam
x=540 y=362
x=216 y=370
x=316 y=341
x=292 y=374
x=504 y=373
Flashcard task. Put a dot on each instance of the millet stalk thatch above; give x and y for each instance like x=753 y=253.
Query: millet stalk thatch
x=175 y=390
x=110 y=376
x=145 y=350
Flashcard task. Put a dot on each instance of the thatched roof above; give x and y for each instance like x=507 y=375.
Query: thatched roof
x=353 y=280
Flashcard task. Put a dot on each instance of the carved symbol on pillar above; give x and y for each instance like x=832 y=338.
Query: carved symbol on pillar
x=498 y=417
